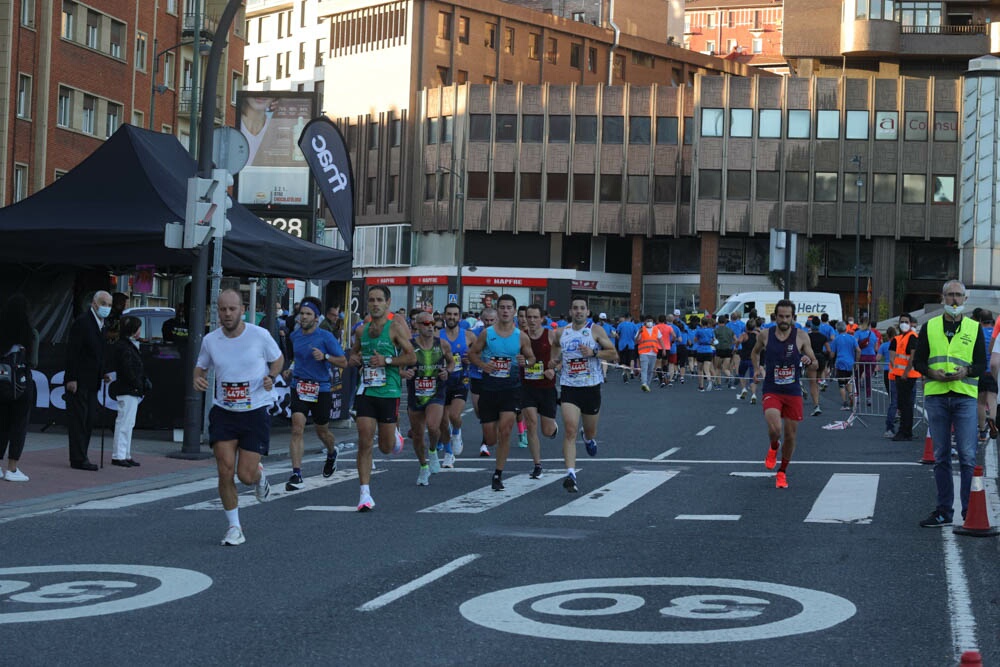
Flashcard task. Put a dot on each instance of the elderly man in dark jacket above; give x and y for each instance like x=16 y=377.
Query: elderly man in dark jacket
x=84 y=370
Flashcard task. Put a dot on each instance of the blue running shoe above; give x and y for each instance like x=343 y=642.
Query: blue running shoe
x=591 y=447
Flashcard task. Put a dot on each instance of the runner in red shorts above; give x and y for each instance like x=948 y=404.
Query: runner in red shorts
x=786 y=350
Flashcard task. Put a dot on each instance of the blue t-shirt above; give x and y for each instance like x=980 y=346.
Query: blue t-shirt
x=703 y=337
x=307 y=367
x=626 y=335
x=475 y=372
x=677 y=334
x=738 y=327
x=988 y=338
x=843 y=348
x=866 y=341
x=883 y=351
x=827 y=330
x=607 y=328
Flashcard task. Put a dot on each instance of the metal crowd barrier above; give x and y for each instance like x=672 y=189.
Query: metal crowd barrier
x=871 y=396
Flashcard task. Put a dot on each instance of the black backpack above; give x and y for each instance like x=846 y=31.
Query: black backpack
x=14 y=375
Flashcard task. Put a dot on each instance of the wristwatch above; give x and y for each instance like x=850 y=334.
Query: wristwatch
x=326 y=357
x=388 y=361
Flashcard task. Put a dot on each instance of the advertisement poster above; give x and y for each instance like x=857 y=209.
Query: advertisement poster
x=276 y=173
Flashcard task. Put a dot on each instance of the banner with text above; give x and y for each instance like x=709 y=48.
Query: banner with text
x=326 y=153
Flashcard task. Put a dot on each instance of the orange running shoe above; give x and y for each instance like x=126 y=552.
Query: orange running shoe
x=781 y=481
x=771 y=458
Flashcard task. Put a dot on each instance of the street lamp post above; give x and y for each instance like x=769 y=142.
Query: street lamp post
x=857 y=243
x=460 y=231
x=161 y=88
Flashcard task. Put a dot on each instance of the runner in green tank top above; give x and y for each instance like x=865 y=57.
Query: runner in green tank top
x=425 y=382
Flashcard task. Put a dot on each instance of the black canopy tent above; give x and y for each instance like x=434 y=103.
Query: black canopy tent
x=112 y=208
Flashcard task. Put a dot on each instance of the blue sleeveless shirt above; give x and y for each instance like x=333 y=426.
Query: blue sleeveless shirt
x=781 y=364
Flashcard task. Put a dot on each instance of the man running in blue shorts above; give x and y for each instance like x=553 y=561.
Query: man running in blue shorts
x=457 y=390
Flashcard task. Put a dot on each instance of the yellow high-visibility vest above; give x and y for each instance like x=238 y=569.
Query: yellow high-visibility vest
x=948 y=355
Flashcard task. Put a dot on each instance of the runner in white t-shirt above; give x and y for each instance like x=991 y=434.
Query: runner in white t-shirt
x=246 y=360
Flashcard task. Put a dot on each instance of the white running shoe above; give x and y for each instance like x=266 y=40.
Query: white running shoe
x=398 y=447
x=484 y=450
x=708 y=387
x=233 y=537
x=449 y=461
x=424 y=476
x=753 y=399
x=262 y=489
x=456 y=444
x=743 y=394
x=16 y=476
x=433 y=462
x=365 y=503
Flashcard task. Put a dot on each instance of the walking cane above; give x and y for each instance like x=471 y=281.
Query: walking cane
x=100 y=416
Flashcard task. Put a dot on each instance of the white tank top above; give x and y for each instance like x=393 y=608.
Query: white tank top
x=577 y=370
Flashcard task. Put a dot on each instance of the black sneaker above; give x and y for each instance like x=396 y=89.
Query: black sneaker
x=330 y=466
x=497 y=484
x=294 y=482
x=936 y=520
x=569 y=483
x=537 y=472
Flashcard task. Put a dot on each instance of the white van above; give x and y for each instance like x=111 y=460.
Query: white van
x=807 y=304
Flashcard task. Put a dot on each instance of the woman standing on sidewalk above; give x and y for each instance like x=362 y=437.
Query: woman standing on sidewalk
x=16 y=331
x=128 y=388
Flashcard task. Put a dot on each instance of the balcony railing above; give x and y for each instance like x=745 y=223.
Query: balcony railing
x=184 y=103
x=981 y=29
x=209 y=25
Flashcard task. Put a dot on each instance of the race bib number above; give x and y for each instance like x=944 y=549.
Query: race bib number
x=576 y=366
x=236 y=395
x=373 y=377
x=307 y=390
x=458 y=363
x=784 y=374
x=502 y=365
x=535 y=371
x=425 y=387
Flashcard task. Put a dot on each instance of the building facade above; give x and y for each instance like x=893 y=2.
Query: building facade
x=748 y=31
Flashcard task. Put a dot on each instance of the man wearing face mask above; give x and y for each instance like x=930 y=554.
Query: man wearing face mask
x=84 y=368
x=852 y=327
x=648 y=342
x=951 y=355
x=901 y=371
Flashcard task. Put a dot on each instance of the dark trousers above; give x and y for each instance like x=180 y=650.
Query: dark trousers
x=81 y=411
x=14 y=423
x=906 y=390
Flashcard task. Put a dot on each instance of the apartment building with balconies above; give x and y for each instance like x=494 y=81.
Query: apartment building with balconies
x=747 y=31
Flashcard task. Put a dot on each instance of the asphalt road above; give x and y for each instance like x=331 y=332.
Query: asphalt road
x=677 y=551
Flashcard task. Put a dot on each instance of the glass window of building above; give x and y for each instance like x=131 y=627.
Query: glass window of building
x=479 y=185
x=841 y=254
x=741 y=123
x=664 y=189
x=552 y=52
x=638 y=188
x=506 y=128
x=944 y=190
x=798 y=124
x=914 y=188
x=917 y=17
x=857 y=125
x=710 y=184
x=556 y=186
x=666 y=130
x=586 y=129
x=758 y=256
x=825 y=188
x=611 y=188
x=796 y=186
x=884 y=188
x=463 y=29
x=738 y=184
x=685 y=189
x=730 y=255
x=656 y=256
x=534 y=46
x=827 y=124
x=503 y=185
x=444 y=25
x=945 y=126
x=685 y=256
x=712 y=122
x=916 y=126
x=768 y=185
x=592 y=59
x=613 y=130
x=851 y=189
x=638 y=130
x=583 y=187
x=532 y=126
x=769 y=123
x=933 y=263
x=490 y=36
x=886 y=125
x=479 y=127
x=508 y=40
x=575 y=56
x=433 y=130
x=531 y=186
x=447 y=129
x=558 y=129
x=688 y=130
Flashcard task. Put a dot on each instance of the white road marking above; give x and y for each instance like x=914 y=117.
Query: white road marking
x=963 y=620
x=433 y=575
x=278 y=490
x=328 y=508
x=751 y=474
x=731 y=411
x=846 y=498
x=707 y=517
x=672 y=450
x=486 y=498
x=616 y=495
x=704 y=430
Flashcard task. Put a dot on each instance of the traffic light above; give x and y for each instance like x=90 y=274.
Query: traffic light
x=222 y=202
x=201 y=205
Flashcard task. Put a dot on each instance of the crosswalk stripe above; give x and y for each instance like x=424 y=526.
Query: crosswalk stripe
x=846 y=498
x=731 y=411
x=486 y=498
x=277 y=493
x=616 y=495
x=707 y=517
x=669 y=452
x=705 y=430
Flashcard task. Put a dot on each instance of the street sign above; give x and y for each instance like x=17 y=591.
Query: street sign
x=452 y=298
x=230 y=149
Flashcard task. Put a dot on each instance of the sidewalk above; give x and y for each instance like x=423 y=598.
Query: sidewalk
x=54 y=485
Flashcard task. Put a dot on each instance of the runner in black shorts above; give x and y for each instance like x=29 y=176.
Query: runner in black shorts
x=538 y=393
x=457 y=389
x=425 y=389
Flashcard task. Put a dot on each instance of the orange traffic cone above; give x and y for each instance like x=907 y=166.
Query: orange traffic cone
x=977 y=520
x=928 y=448
x=971 y=659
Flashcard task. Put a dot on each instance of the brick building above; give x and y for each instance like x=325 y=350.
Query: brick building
x=748 y=31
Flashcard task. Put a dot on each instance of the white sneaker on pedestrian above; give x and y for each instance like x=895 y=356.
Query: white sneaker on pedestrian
x=16 y=476
x=424 y=476
x=262 y=489
x=233 y=537
x=398 y=446
x=743 y=394
x=433 y=462
x=449 y=461
x=753 y=399
x=708 y=387
x=456 y=444
x=484 y=450
x=365 y=503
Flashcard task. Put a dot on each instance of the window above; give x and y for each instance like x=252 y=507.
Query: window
x=20 y=182
x=114 y=118
x=638 y=130
x=532 y=127
x=531 y=186
x=944 y=190
x=433 y=130
x=320 y=52
x=756 y=45
x=508 y=41
x=730 y=255
x=444 y=25
x=370 y=189
x=827 y=124
x=28 y=13
x=613 y=130
x=558 y=129
x=444 y=75
x=68 y=19
x=676 y=77
x=638 y=189
x=796 y=186
x=769 y=124
x=741 y=123
x=117 y=39
x=666 y=131
x=390 y=193
x=64 y=110
x=490 y=36
x=506 y=128
x=462 y=76
x=945 y=126
x=712 y=122
x=23 y=96
x=592 y=59
x=664 y=189
x=583 y=187
x=916 y=126
x=138 y=118
x=884 y=191
x=918 y=16
x=303 y=63
x=688 y=130
x=857 y=125
x=87 y=119
x=710 y=184
x=373 y=132
x=738 y=184
x=140 y=51
x=168 y=70
x=575 y=55
x=237 y=85
x=914 y=188
x=580 y=16
x=463 y=29
x=618 y=67
x=479 y=127
x=685 y=189
x=93 y=29
x=768 y=185
x=710 y=46
x=586 y=129
x=611 y=188
x=447 y=129
x=302 y=14
x=851 y=189
x=479 y=185
x=886 y=125
x=798 y=124
x=534 y=46
x=552 y=53
x=503 y=185
x=557 y=186
x=825 y=186
x=430 y=187
x=396 y=132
